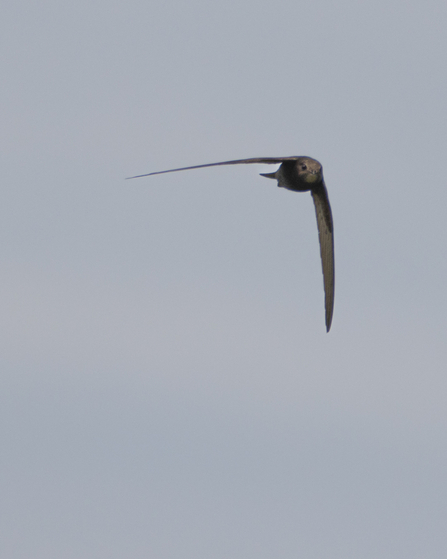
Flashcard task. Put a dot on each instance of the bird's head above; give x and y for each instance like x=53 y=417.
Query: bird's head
x=309 y=170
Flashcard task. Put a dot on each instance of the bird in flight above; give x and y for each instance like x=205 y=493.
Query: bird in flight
x=299 y=174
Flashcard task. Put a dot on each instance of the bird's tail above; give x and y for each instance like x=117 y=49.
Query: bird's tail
x=268 y=175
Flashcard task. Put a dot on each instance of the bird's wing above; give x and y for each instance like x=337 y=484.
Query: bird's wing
x=326 y=235
x=266 y=160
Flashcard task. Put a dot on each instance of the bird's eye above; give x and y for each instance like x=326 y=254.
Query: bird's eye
x=303 y=166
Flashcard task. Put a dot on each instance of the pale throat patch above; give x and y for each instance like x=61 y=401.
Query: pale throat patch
x=312 y=178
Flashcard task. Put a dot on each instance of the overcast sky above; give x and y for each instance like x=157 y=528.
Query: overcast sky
x=168 y=389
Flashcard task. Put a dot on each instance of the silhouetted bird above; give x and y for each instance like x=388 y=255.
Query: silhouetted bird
x=299 y=174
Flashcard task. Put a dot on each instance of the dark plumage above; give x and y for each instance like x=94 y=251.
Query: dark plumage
x=299 y=174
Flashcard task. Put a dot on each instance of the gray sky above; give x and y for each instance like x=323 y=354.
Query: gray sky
x=168 y=389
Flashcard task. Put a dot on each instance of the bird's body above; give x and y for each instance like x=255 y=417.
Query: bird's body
x=299 y=174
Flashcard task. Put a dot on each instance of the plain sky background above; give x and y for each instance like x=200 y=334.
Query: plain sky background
x=168 y=389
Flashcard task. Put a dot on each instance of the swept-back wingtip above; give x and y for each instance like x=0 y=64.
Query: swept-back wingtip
x=139 y=176
x=329 y=315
